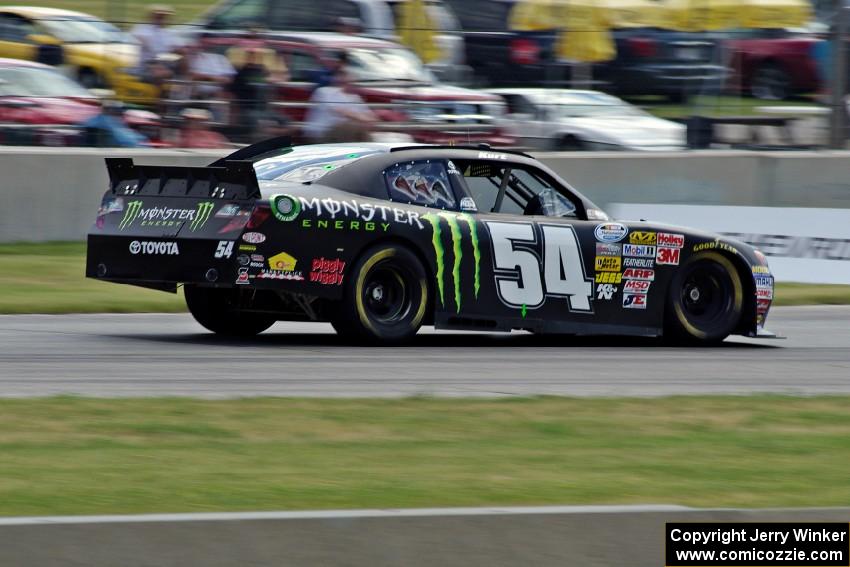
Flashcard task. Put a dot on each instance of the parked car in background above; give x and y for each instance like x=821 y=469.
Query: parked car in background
x=772 y=64
x=376 y=18
x=384 y=73
x=562 y=119
x=653 y=61
x=40 y=106
x=97 y=53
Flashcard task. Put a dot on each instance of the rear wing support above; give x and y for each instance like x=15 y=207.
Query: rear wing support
x=230 y=179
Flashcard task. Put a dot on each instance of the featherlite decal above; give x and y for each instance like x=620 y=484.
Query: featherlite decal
x=457 y=251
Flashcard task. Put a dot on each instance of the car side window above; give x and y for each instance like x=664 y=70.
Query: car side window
x=240 y=14
x=14 y=28
x=425 y=183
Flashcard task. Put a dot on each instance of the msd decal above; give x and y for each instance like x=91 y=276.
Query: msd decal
x=636 y=286
x=634 y=301
x=637 y=274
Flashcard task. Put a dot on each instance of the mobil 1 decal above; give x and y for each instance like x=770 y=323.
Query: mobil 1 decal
x=534 y=261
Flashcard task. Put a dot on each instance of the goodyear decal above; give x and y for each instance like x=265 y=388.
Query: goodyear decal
x=453 y=221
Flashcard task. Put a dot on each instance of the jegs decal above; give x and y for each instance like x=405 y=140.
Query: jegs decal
x=531 y=264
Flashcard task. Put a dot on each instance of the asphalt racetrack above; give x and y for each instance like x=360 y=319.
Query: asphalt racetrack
x=170 y=355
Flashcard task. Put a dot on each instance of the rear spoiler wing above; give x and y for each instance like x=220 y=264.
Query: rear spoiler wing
x=228 y=179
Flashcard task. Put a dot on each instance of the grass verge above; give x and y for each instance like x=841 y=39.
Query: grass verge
x=49 y=278
x=94 y=456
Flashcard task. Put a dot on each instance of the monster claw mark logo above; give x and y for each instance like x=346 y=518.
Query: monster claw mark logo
x=202 y=215
x=130 y=214
x=166 y=216
x=452 y=220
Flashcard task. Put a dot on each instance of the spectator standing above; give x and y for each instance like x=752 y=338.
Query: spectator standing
x=250 y=88
x=195 y=132
x=156 y=40
x=337 y=114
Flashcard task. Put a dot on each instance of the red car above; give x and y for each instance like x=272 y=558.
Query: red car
x=772 y=64
x=384 y=72
x=36 y=102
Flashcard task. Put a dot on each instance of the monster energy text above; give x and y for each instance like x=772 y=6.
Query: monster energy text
x=166 y=216
x=452 y=221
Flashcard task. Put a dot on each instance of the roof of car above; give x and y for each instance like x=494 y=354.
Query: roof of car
x=329 y=39
x=38 y=12
x=552 y=95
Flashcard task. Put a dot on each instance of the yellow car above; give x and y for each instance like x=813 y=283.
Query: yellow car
x=99 y=54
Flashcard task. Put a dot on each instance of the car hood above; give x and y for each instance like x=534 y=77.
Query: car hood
x=424 y=92
x=119 y=54
x=628 y=131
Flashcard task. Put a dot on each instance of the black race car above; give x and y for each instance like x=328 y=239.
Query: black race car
x=380 y=239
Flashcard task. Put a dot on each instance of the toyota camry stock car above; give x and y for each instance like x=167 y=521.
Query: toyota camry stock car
x=381 y=239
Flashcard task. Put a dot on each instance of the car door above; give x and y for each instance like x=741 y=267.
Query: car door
x=530 y=268
x=14 y=37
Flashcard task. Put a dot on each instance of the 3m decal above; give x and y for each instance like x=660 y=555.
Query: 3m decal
x=608 y=277
x=516 y=257
x=638 y=274
x=166 y=216
x=639 y=237
x=667 y=256
x=671 y=240
x=639 y=250
x=634 y=301
x=453 y=222
x=608 y=264
x=636 y=286
x=610 y=232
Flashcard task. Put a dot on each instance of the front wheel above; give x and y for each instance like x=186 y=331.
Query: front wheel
x=705 y=300
x=385 y=298
x=217 y=309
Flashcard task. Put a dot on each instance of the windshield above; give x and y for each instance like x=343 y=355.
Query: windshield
x=85 y=30
x=572 y=106
x=32 y=81
x=367 y=64
x=309 y=163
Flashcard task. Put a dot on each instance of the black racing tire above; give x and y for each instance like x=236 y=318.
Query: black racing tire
x=90 y=79
x=570 y=144
x=385 y=298
x=770 y=82
x=705 y=300
x=214 y=309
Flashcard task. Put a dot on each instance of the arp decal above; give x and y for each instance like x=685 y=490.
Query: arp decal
x=638 y=274
x=517 y=252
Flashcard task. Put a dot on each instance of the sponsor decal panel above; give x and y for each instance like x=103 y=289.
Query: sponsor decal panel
x=667 y=256
x=345 y=225
x=347 y=214
x=468 y=203
x=283 y=262
x=145 y=247
x=639 y=262
x=243 y=259
x=608 y=264
x=227 y=211
x=671 y=240
x=242 y=277
x=610 y=232
x=285 y=208
x=136 y=212
x=764 y=287
x=761 y=270
x=254 y=237
x=247 y=248
x=639 y=250
x=639 y=237
x=636 y=286
x=327 y=272
x=605 y=291
x=608 y=278
x=715 y=245
x=639 y=274
x=453 y=223
x=281 y=266
x=605 y=249
x=634 y=301
x=492 y=155
x=279 y=275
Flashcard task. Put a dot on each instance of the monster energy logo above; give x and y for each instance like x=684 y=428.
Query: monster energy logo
x=166 y=216
x=457 y=251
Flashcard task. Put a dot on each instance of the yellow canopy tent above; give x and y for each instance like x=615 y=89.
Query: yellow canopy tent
x=635 y=13
x=417 y=31
x=712 y=15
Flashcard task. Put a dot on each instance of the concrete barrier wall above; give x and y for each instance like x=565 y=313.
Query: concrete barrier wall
x=582 y=536
x=52 y=194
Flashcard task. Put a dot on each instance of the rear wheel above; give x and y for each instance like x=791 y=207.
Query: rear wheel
x=570 y=144
x=705 y=300
x=385 y=298
x=217 y=310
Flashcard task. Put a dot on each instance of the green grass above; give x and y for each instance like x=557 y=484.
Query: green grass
x=127 y=12
x=713 y=106
x=49 y=278
x=94 y=456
